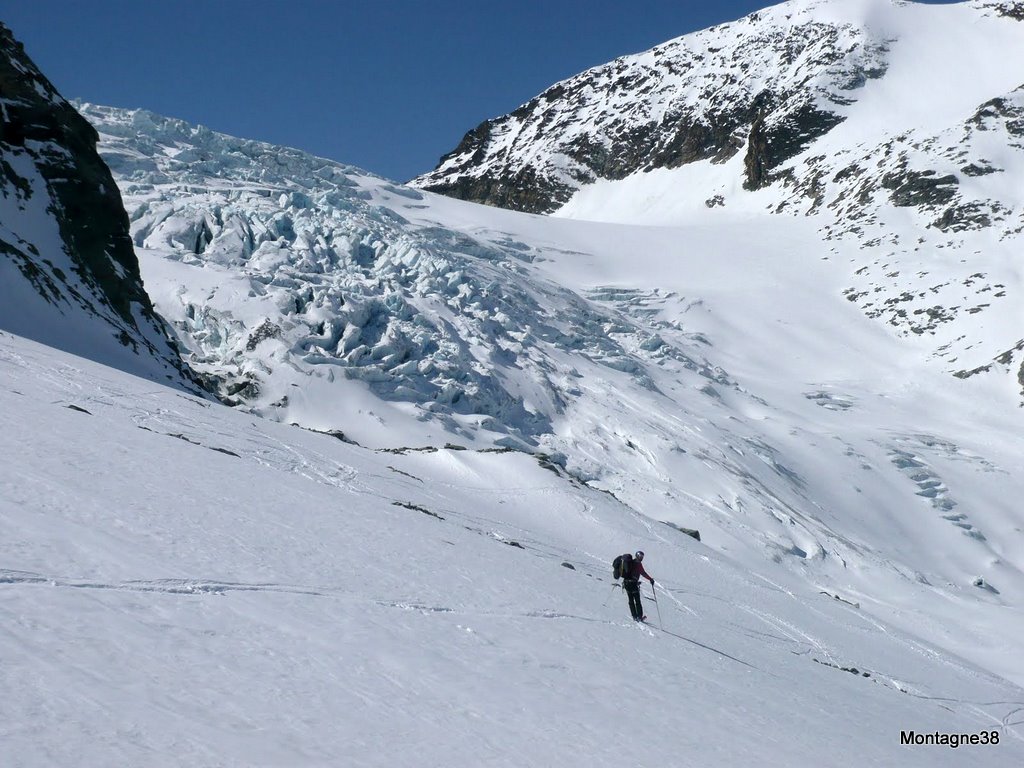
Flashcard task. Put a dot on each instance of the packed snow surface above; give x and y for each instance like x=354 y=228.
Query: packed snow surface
x=185 y=584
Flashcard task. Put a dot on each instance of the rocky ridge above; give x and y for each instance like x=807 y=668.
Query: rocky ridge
x=765 y=86
x=64 y=233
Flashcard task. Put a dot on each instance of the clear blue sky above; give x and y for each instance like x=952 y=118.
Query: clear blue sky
x=387 y=85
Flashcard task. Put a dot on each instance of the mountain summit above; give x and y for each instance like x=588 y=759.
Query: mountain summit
x=764 y=89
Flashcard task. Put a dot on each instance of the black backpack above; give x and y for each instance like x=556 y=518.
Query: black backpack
x=622 y=566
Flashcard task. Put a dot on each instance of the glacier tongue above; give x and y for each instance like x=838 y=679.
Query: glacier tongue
x=284 y=271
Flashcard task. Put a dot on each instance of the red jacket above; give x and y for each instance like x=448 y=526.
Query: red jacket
x=636 y=571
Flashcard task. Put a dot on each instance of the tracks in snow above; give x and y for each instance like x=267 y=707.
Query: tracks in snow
x=166 y=586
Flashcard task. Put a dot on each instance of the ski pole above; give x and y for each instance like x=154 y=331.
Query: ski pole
x=609 y=595
x=655 y=591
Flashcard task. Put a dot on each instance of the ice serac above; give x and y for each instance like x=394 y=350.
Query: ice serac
x=306 y=286
x=69 y=274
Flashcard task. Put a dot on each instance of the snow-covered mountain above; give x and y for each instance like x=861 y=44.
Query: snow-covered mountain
x=896 y=126
x=68 y=273
x=672 y=351
x=766 y=88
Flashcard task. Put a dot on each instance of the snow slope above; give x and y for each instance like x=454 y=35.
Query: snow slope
x=243 y=593
x=826 y=444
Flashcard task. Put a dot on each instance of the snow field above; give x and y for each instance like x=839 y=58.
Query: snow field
x=167 y=603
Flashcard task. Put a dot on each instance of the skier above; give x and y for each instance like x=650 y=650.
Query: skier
x=631 y=584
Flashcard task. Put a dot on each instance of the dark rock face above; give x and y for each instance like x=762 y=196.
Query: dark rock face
x=756 y=84
x=51 y=174
x=914 y=188
x=521 y=189
x=1013 y=9
x=769 y=146
x=267 y=330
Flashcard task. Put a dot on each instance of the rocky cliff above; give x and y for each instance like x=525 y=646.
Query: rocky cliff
x=69 y=272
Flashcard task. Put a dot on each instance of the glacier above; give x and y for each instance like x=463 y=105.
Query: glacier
x=711 y=375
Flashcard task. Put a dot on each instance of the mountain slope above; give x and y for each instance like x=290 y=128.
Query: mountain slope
x=766 y=88
x=894 y=126
x=285 y=598
x=70 y=276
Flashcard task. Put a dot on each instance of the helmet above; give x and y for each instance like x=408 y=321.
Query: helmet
x=639 y=555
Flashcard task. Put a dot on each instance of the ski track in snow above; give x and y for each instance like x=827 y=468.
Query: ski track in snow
x=168 y=586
